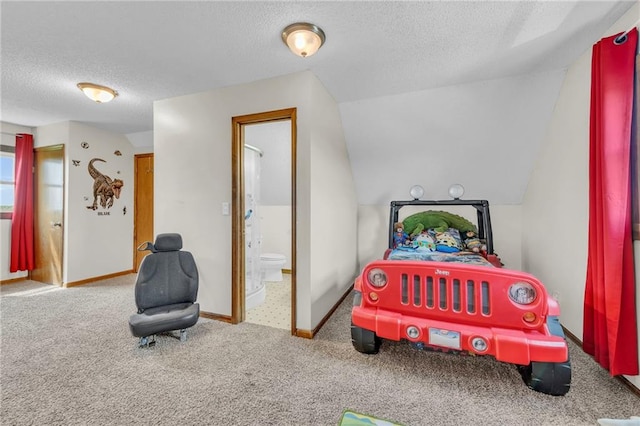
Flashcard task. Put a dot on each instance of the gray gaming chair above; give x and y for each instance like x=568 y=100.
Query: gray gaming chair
x=166 y=290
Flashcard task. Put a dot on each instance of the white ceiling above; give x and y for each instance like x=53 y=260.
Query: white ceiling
x=470 y=81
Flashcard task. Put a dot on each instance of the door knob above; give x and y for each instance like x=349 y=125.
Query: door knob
x=58 y=224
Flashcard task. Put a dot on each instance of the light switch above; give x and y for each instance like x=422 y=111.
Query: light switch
x=225 y=209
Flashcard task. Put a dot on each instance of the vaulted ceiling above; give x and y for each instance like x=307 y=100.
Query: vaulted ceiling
x=429 y=92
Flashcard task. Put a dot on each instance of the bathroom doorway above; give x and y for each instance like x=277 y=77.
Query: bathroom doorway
x=48 y=216
x=263 y=220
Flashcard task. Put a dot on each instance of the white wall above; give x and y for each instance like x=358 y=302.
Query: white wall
x=506 y=223
x=556 y=204
x=142 y=141
x=274 y=140
x=192 y=146
x=334 y=207
x=475 y=133
x=5 y=224
x=99 y=242
x=276 y=231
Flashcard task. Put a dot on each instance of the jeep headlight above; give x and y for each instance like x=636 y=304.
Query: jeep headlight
x=522 y=293
x=377 y=277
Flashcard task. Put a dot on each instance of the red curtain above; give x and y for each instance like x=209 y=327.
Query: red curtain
x=610 y=333
x=22 y=254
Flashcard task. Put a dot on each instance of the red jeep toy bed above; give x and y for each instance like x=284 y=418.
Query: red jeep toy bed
x=437 y=292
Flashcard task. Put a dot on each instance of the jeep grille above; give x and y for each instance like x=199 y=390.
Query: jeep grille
x=446 y=294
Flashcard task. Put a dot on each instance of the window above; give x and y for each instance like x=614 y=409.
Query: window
x=7 y=183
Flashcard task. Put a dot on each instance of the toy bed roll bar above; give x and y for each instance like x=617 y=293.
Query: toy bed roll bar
x=481 y=206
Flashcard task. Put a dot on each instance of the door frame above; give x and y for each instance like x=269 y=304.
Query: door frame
x=238 y=208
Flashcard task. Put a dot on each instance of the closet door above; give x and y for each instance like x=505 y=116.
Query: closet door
x=143 y=206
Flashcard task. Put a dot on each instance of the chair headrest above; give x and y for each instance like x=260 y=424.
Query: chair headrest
x=168 y=242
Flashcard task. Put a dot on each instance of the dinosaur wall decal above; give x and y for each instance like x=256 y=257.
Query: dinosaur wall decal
x=104 y=187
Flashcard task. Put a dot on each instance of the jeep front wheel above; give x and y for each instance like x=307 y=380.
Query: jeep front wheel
x=552 y=378
x=365 y=341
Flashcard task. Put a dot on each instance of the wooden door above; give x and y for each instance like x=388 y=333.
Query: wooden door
x=143 y=206
x=48 y=214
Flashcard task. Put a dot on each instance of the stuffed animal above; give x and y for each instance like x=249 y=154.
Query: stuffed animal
x=400 y=237
x=437 y=220
x=424 y=242
x=473 y=243
x=445 y=242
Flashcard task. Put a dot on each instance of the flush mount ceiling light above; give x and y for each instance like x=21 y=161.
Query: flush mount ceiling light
x=95 y=92
x=303 y=39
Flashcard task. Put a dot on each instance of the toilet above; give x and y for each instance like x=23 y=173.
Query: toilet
x=271 y=265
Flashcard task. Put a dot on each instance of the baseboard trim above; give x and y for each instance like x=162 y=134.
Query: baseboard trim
x=629 y=385
x=306 y=334
x=217 y=317
x=571 y=336
x=622 y=379
x=94 y=279
x=310 y=334
x=14 y=280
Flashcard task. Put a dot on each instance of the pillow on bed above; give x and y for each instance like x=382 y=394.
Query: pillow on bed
x=424 y=242
x=448 y=241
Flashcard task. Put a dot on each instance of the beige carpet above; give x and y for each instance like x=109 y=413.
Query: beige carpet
x=67 y=358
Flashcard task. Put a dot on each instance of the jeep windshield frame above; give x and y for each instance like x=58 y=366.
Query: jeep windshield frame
x=482 y=211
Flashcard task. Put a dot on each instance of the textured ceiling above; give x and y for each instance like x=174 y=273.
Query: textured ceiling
x=374 y=50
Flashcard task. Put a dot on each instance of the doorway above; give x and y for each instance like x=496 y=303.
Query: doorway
x=48 y=214
x=142 y=206
x=242 y=266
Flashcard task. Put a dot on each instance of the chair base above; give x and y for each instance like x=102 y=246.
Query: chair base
x=147 y=341
x=150 y=341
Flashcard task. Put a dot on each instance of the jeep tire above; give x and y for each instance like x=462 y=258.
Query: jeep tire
x=552 y=378
x=365 y=341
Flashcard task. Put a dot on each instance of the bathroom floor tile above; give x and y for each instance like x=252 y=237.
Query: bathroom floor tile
x=275 y=311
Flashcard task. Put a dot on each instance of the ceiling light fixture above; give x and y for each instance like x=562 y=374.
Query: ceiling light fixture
x=95 y=92
x=303 y=39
